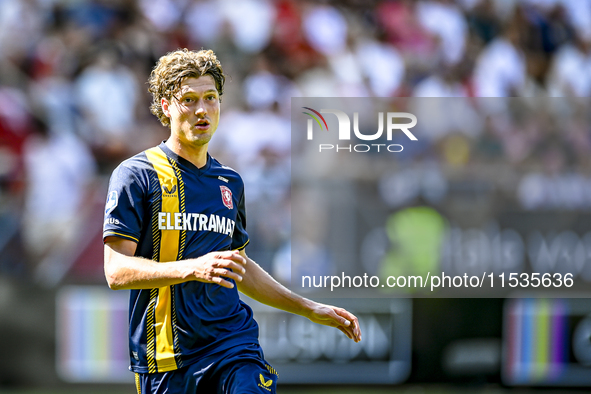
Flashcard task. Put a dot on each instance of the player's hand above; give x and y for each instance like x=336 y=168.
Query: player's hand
x=217 y=267
x=340 y=318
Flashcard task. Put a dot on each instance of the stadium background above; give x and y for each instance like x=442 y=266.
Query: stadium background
x=73 y=104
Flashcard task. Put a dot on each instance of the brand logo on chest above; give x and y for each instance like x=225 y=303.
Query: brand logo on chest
x=169 y=187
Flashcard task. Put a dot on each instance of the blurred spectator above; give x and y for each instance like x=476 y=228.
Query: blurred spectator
x=445 y=20
x=56 y=184
x=21 y=24
x=14 y=129
x=578 y=13
x=107 y=94
x=51 y=85
x=404 y=31
x=164 y=14
x=205 y=22
x=382 y=65
x=251 y=22
x=500 y=70
x=263 y=88
x=483 y=20
x=325 y=29
x=289 y=50
x=347 y=73
x=570 y=72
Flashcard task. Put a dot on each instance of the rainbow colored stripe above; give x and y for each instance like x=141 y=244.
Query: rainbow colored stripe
x=315 y=118
x=92 y=325
x=536 y=340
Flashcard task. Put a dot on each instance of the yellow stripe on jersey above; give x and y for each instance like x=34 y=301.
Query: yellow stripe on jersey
x=169 y=245
x=272 y=370
x=138 y=385
x=182 y=243
x=111 y=233
x=151 y=332
x=169 y=248
x=181 y=190
x=243 y=246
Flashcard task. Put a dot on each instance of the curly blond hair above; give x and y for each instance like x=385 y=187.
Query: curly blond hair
x=172 y=68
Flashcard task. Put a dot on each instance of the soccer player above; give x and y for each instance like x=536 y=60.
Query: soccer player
x=175 y=233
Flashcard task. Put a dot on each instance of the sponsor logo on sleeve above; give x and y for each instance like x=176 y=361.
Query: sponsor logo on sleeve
x=112 y=201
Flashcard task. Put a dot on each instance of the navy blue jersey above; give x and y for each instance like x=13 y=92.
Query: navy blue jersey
x=175 y=211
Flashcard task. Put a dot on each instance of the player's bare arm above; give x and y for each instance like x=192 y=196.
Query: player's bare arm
x=125 y=271
x=259 y=285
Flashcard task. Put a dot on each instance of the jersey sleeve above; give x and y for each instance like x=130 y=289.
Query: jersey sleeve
x=240 y=236
x=124 y=210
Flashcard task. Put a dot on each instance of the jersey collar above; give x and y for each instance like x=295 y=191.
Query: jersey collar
x=184 y=162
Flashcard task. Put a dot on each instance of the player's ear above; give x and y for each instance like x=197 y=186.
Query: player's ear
x=164 y=104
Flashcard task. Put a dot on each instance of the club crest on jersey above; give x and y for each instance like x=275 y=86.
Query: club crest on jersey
x=227 y=197
x=168 y=187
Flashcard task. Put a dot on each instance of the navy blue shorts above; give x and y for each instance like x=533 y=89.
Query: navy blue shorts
x=243 y=370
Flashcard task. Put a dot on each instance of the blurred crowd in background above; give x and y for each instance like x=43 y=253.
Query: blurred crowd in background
x=74 y=100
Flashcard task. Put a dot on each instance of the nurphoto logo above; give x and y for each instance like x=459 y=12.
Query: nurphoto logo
x=344 y=131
